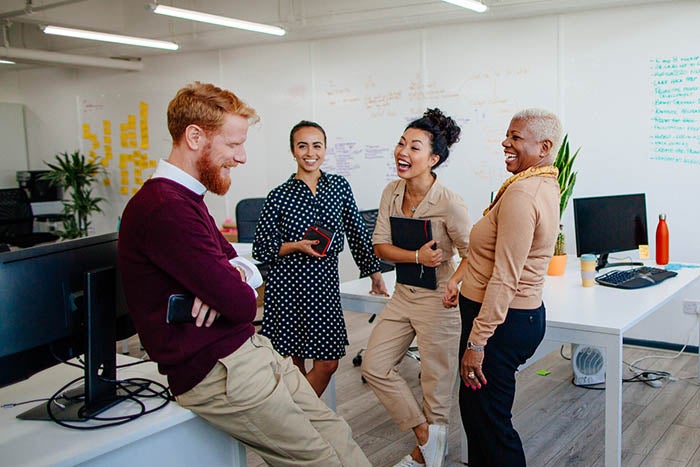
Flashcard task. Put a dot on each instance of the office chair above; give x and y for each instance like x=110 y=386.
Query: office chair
x=370 y=218
x=247 y=215
x=17 y=220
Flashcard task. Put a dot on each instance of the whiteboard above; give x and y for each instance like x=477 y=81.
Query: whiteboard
x=366 y=103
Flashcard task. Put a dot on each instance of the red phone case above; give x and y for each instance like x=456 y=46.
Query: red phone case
x=323 y=236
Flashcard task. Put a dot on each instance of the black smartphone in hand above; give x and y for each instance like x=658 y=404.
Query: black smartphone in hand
x=180 y=308
x=323 y=236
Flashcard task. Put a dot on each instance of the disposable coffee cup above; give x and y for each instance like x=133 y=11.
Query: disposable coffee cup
x=588 y=270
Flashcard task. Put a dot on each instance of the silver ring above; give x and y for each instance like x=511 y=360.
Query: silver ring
x=471 y=375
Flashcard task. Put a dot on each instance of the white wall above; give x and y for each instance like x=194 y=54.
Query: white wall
x=593 y=68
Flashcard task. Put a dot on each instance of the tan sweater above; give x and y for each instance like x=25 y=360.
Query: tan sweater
x=509 y=250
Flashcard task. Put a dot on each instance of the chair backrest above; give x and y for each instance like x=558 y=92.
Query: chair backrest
x=247 y=215
x=16 y=217
x=370 y=218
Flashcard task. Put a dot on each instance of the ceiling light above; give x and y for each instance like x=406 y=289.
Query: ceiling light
x=469 y=4
x=7 y=62
x=218 y=20
x=104 y=37
x=43 y=57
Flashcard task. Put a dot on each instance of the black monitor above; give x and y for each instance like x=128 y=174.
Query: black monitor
x=56 y=302
x=609 y=224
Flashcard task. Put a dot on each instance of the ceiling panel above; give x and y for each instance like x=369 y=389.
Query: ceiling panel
x=303 y=20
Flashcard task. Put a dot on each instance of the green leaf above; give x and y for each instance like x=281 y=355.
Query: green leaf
x=76 y=175
x=567 y=177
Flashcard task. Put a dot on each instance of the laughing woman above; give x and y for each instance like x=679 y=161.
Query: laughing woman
x=503 y=316
x=416 y=312
x=303 y=317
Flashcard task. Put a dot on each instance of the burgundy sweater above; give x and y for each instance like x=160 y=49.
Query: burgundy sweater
x=168 y=243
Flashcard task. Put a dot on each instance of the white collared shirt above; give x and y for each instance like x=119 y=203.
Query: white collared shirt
x=167 y=170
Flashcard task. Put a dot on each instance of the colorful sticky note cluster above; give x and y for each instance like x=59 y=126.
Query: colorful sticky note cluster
x=127 y=132
x=92 y=137
x=143 y=124
x=134 y=158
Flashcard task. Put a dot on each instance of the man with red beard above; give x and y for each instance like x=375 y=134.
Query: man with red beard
x=217 y=366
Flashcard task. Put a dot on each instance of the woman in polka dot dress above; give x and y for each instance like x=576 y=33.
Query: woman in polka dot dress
x=303 y=317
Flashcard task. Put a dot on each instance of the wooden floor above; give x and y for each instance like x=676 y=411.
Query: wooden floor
x=560 y=424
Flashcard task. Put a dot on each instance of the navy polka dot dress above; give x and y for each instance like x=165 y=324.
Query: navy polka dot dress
x=303 y=316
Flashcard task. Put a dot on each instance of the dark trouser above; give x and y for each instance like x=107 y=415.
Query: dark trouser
x=486 y=412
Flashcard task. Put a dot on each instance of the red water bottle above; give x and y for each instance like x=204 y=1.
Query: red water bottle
x=662 y=240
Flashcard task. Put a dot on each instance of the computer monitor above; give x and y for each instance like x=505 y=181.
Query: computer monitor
x=58 y=301
x=609 y=224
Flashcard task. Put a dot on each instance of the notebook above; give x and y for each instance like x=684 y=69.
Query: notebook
x=411 y=233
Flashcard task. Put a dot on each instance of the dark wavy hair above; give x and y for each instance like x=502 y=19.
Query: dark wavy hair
x=305 y=124
x=443 y=130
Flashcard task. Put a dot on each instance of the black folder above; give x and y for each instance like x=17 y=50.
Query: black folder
x=412 y=233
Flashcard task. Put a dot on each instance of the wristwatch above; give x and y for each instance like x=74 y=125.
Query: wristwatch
x=475 y=348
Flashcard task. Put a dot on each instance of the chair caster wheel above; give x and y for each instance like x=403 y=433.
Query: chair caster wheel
x=357 y=361
x=364 y=381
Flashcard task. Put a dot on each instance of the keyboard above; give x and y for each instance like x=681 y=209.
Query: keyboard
x=634 y=278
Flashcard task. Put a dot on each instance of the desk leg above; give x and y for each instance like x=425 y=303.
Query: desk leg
x=613 y=401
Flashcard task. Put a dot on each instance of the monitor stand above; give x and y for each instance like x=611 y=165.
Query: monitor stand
x=70 y=407
x=602 y=262
x=100 y=390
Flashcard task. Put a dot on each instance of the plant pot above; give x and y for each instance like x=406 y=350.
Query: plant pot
x=557 y=265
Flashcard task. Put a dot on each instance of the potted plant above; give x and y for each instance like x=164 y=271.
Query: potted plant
x=567 y=179
x=76 y=175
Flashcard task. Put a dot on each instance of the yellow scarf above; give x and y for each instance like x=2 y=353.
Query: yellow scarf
x=546 y=171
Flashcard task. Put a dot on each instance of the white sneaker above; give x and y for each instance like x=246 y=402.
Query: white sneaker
x=409 y=461
x=434 y=450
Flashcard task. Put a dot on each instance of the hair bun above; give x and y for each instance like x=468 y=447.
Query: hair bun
x=446 y=124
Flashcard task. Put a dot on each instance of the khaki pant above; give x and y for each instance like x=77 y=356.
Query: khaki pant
x=414 y=312
x=262 y=400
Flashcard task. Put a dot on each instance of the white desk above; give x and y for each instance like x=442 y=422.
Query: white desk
x=583 y=315
x=172 y=436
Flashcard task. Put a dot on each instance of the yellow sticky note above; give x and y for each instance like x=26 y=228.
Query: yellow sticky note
x=144 y=143
x=107 y=182
x=122 y=164
x=107 y=140
x=124 y=190
x=104 y=162
x=152 y=164
x=134 y=191
x=643 y=251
